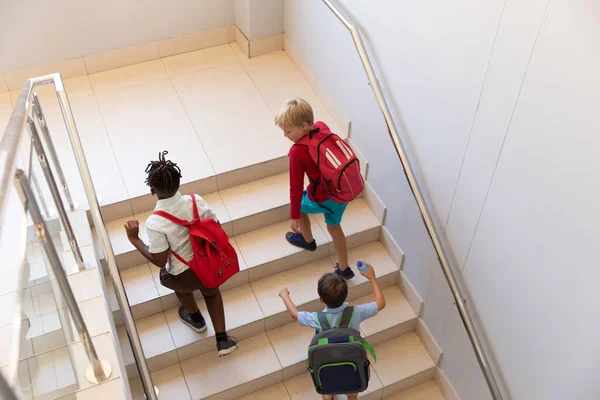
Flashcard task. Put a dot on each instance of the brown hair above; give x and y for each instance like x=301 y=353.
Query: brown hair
x=333 y=289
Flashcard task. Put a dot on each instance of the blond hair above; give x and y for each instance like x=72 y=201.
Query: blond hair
x=293 y=113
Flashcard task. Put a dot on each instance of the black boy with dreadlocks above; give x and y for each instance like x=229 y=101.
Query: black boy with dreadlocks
x=163 y=178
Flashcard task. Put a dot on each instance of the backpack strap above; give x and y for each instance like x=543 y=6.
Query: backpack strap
x=323 y=321
x=346 y=318
x=196 y=215
x=172 y=218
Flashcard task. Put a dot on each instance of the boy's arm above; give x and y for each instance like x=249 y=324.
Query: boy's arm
x=379 y=298
x=132 y=227
x=289 y=304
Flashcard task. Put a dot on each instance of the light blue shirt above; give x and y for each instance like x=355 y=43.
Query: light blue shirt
x=361 y=312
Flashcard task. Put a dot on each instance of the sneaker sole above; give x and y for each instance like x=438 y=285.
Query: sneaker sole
x=225 y=352
x=302 y=247
x=199 y=330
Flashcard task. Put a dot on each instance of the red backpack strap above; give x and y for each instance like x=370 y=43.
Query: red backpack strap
x=172 y=218
x=196 y=215
x=177 y=256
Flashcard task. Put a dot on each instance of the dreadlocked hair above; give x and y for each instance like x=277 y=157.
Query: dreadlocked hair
x=163 y=175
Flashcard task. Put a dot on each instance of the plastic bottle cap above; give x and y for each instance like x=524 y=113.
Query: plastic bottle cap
x=359 y=264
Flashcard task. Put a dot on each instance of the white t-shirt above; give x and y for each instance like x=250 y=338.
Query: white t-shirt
x=164 y=234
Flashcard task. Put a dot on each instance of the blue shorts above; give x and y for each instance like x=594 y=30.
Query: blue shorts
x=333 y=211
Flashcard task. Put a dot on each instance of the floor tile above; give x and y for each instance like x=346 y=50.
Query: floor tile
x=199 y=60
x=275 y=392
x=301 y=282
x=118 y=236
x=128 y=76
x=215 y=202
x=252 y=173
x=231 y=142
x=154 y=111
x=396 y=311
x=255 y=197
x=170 y=382
x=278 y=80
x=85 y=285
x=155 y=335
x=204 y=374
x=425 y=391
x=407 y=348
x=291 y=343
x=95 y=315
x=139 y=284
x=112 y=389
x=269 y=243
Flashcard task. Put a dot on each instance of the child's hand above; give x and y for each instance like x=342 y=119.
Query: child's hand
x=370 y=274
x=284 y=293
x=132 y=227
x=295 y=225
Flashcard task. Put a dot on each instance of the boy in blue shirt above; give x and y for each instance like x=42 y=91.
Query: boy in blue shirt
x=333 y=291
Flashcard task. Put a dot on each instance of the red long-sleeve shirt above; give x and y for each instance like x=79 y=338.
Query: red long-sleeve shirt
x=301 y=163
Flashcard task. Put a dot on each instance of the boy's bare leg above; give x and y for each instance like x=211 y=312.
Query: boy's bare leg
x=352 y=396
x=327 y=397
x=188 y=301
x=339 y=241
x=305 y=228
x=214 y=304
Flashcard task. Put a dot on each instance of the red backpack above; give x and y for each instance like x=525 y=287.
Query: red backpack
x=215 y=259
x=340 y=168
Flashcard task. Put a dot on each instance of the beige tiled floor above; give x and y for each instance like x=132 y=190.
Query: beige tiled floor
x=212 y=109
x=425 y=391
x=207 y=374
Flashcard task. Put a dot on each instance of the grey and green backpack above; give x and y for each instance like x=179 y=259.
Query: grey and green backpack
x=337 y=356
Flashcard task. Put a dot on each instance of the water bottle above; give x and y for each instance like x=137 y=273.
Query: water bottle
x=362 y=266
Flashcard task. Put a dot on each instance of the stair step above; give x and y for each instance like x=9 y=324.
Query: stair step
x=236 y=212
x=254 y=372
x=263 y=253
x=243 y=210
x=425 y=391
x=251 y=310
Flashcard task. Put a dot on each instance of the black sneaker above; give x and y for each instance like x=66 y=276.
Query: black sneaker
x=185 y=316
x=227 y=347
x=296 y=239
x=346 y=274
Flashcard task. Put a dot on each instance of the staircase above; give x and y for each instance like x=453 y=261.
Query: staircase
x=272 y=347
x=212 y=106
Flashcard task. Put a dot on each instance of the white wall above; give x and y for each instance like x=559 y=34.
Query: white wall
x=497 y=102
x=258 y=19
x=40 y=32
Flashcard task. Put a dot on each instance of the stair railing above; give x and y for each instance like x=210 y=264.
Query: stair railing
x=455 y=287
x=27 y=108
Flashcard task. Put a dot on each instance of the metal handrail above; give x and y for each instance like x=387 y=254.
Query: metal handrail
x=425 y=214
x=100 y=370
x=9 y=148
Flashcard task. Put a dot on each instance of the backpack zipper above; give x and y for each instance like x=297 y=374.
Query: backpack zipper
x=339 y=185
x=225 y=266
